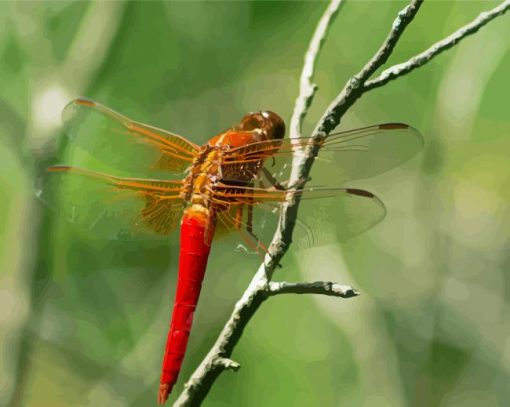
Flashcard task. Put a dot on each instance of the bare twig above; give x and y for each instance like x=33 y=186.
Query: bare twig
x=209 y=369
x=307 y=88
x=439 y=47
x=261 y=287
x=227 y=364
x=317 y=287
x=354 y=87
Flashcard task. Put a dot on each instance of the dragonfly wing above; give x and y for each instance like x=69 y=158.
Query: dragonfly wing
x=112 y=207
x=244 y=163
x=338 y=218
x=326 y=215
x=350 y=155
x=370 y=151
x=101 y=139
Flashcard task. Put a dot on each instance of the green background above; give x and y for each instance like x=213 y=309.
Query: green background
x=83 y=320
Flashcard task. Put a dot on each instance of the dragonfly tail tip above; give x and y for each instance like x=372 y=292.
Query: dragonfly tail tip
x=164 y=391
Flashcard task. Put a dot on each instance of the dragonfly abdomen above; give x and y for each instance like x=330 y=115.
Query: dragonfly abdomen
x=194 y=252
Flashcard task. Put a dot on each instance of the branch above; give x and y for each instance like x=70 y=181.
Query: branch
x=225 y=363
x=317 y=287
x=217 y=360
x=209 y=369
x=439 y=47
x=261 y=287
x=354 y=87
x=307 y=88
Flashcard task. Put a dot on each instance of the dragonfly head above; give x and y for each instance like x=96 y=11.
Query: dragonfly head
x=267 y=121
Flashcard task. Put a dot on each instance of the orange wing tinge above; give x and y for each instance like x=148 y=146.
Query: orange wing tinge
x=350 y=155
x=106 y=138
x=114 y=207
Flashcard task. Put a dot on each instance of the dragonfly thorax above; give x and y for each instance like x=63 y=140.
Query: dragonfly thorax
x=205 y=173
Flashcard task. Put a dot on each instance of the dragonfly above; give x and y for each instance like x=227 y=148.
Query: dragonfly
x=125 y=178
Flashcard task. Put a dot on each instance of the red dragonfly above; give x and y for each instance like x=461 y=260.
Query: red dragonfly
x=219 y=184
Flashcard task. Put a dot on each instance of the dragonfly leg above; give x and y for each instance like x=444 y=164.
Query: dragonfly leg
x=236 y=222
x=272 y=179
x=249 y=222
x=239 y=217
x=300 y=182
x=249 y=229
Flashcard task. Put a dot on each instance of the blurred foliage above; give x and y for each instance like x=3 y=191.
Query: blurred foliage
x=83 y=320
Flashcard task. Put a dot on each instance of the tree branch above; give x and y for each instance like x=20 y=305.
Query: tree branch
x=209 y=369
x=317 y=287
x=261 y=287
x=307 y=88
x=259 y=290
x=226 y=363
x=439 y=47
x=354 y=87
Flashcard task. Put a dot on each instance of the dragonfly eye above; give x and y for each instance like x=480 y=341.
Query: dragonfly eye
x=274 y=124
x=251 y=122
x=270 y=122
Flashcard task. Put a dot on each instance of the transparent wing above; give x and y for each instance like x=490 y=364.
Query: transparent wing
x=353 y=154
x=338 y=219
x=112 y=207
x=101 y=139
x=326 y=215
